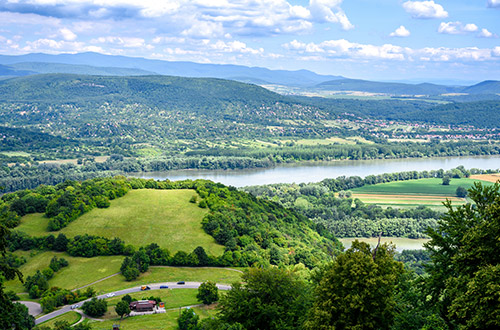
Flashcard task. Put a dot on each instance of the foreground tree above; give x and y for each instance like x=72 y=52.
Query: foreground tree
x=208 y=293
x=356 y=291
x=122 y=308
x=12 y=315
x=464 y=281
x=95 y=307
x=271 y=299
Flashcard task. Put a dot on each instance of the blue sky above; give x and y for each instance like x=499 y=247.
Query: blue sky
x=369 y=39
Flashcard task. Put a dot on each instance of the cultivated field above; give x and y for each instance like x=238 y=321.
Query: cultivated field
x=139 y=218
x=428 y=192
x=487 y=177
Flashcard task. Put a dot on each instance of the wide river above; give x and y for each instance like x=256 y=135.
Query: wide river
x=317 y=171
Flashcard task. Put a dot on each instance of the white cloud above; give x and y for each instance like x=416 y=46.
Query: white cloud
x=470 y=27
x=494 y=3
x=400 y=32
x=425 y=9
x=67 y=34
x=200 y=29
x=235 y=47
x=486 y=34
x=127 y=42
x=329 y=11
x=496 y=51
x=350 y=50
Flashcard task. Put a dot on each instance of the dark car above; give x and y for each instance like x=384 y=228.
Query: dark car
x=163 y=286
x=181 y=282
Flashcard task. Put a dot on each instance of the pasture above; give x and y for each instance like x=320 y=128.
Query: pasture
x=139 y=218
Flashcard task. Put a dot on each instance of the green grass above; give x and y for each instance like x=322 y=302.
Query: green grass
x=15 y=153
x=430 y=186
x=139 y=218
x=80 y=271
x=70 y=317
x=173 y=298
x=166 y=321
x=170 y=274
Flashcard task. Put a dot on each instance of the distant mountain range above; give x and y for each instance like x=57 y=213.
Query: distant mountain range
x=112 y=65
x=99 y=64
x=485 y=87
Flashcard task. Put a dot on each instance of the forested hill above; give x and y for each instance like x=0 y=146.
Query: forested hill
x=148 y=90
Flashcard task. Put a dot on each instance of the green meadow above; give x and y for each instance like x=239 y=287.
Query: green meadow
x=431 y=186
x=141 y=217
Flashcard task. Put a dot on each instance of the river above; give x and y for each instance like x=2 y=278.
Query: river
x=317 y=171
x=401 y=243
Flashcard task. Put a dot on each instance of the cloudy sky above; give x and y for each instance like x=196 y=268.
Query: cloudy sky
x=370 y=39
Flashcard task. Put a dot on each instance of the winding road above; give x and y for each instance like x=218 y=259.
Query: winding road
x=155 y=286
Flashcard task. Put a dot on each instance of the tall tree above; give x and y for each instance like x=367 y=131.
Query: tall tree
x=272 y=298
x=12 y=315
x=356 y=291
x=465 y=263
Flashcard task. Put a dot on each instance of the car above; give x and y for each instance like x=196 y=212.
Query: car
x=163 y=286
x=145 y=287
x=75 y=306
x=109 y=295
x=181 y=282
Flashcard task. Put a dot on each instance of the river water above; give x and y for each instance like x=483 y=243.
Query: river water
x=317 y=171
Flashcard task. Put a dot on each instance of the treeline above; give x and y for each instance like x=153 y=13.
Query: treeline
x=253 y=231
x=329 y=204
x=357 y=152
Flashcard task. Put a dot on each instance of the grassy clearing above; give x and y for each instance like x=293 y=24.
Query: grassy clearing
x=70 y=317
x=81 y=271
x=170 y=274
x=173 y=298
x=165 y=321
x=15 y=153
x=139 y=218
x=431 y=186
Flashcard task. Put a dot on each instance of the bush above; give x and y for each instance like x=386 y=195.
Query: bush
x=208 y=293
x=95 y=307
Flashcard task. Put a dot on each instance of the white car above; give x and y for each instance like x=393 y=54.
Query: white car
x=75 y=306
x=109 y=295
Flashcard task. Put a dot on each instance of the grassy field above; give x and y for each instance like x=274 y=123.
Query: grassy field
x=139 y=218
x=173 y=298
x=166 y=321
x=170 y=274
x=80 y=271
x=70 y=317
x=411 y=193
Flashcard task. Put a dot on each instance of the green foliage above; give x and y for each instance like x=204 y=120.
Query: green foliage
x=461 y=192
x=208 y=293
x=446 y=180
x=122 y=308
x=356 y=291
x=464 y=268
x=127 y=298
x=188 y=320
x=95 y=307
x=272 y=298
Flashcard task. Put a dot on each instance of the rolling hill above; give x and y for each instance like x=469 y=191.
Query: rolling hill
x=95 y=62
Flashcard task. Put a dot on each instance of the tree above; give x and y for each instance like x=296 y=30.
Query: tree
x=465 y=264
x=461 y=192
x=12 y=315
x=188 y=320
x=446 y=180
x=95 y=307
x=271 y=299
x=122 y=308
x=127 y=298
x=356 y=290
x=208 y=293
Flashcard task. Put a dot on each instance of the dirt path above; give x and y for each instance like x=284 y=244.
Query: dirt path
x=102 y=279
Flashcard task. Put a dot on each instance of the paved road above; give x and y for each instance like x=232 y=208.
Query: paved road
x=155 y=286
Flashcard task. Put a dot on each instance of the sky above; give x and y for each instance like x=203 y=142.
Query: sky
x=391 y=40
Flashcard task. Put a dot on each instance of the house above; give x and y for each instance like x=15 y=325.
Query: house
x=142 y=305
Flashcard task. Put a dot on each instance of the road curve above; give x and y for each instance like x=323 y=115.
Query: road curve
x=155 y=286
